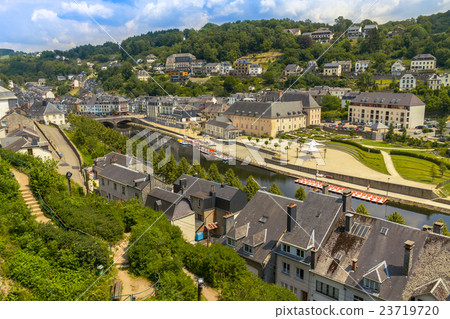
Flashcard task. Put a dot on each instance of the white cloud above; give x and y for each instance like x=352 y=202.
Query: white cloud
x=267 y=5
x=98 y=10
x=43 y=14
x=444 y=3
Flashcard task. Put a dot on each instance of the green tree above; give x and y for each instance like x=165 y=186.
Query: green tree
x=361 y=209
x=229 y=176
x=251 y=188
x=300 y=193
x=442 y=124
x=213 y=173
x=236 y=182
x=433 y=172
x=442 y=168
x=396 y=218
x=331 y=102
x=446 y=232
x=390 y=134
x=274 y=189
x=184 y=166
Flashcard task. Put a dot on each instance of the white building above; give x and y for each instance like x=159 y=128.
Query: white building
x=8 y=101
x=362 y=66
x=398 y=67
x=225 y=67
x=354 y=32
x=434 y=82
x=445 y=80
x=47 y=112
x=423 y=62
x=368 y=28
x=255 y=69
x=407 y=82
x=400 y=109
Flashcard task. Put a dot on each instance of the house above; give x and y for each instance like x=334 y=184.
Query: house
x=322 y=35
x=242 y=67
x=369 y=258
x=362 y=66
x=179 y=76
x=149 y=59
x=332 y=69
x=104 y=104
x=274 y=113
x=212 y=110
x=41 y=82
x=142 y=75
x=423 y=62
x=160 y=105
x=354 y=32
x=214 y=204
x=180 y=62
x=379 y=127
x=398 y=67
x=177 y=209
x=445 y=80
x=346 y=66
x=368 y=28
x=396 y=31
x=61 y=78
x=198 y=67
x=295 y=32
x=225 y=68
x=8 y=101
x=25 y=141
x=212 y=68
x=158 y=67
x=255 y=69
x=292 y=69
x=307 y=226
x=312 y=66
x=339 y=92
x=401 y=109
x=407 y=82
x=434 y=82
x=221 y=128
x=47 y=113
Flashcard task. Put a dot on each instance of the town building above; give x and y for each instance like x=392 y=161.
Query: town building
x=445 y=80
x=407 y=82
x=225 y=67
x=142 y=75
x=346 y=66
x=104 y=104
x=396 y=31
x=322 y=35
x=368 y=29
x=8 y=101
x=179 y=76
x=222 y=128
x=198 y=67
x=398 y=67
x=434 y=82
x=354 y=32
x=47 y=113
x=312 y=66
x=296 y=31
x=160 y=105
x=242 y=67
x=332 y=69
x=212 y=68
x=255 y=69
x=401 y=109
x=149 y=59
x=212 y=110
x=292 y=69
x=179 y=62
x=423 y=62
x=362 y=66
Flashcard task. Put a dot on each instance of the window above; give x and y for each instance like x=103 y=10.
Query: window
x=136 y=195
x=286 y=268
x=299 y=273
x=199 y=203
x=327 y=290
x=231 y=242
x=103 y=182
x=285 y=248
x=248 y=249
x=357 y=298
x=300 y=253
x=123 y=190
x=115 y=186
x=371 y=285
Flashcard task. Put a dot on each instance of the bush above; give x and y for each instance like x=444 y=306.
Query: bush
x=361 y=147
x=426 y=157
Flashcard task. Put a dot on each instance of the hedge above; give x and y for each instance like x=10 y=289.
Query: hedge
x=425 y=157
x=361 y=147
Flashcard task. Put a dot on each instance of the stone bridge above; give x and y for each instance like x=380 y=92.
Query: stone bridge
x=114 y=121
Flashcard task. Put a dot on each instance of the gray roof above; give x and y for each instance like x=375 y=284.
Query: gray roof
x=437 y=287
x=266 y=110
x=378 y=247
x=224 y=125
x=315 y=215
x=114 y=158
x=6 y=94
x=43 y=108
x=175 y=206
x=306 y=99
x=292 y=67
x=385 y=98
x=378 y=126
x=262 y=204
x=125 y=176
x=425 y=56
x=13 y=143
x=331 y=65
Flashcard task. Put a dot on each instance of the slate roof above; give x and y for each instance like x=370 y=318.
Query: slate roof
x=13 y=143
x=438 y=288
x=425 y=56
x=271 y=206
x=265 y=110
x=175 y=206
x=43 y=108
x=378 y=126
x=316 y=214
x=384 y=98
x=306 y=99
x=6 y=94
x=381 y=256
x=125 y=176
x=224 y=125
x=115 y=158
x=331 y=65
x=292 y=67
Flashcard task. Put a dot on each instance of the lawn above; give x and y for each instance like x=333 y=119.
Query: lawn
x=74 y=91
x=417 y=169
x=383 y=84
x=445 y=190
x=378 y=144
x=371 y=160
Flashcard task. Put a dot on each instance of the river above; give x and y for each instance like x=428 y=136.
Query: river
x=288 y=187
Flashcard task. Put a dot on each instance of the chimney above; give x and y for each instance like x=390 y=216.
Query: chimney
x=325 y=188
x=213 y=195
x=313 y=258
x=427 y=228
x=291 y=216
x=354 y=264
x=348 y=222
x=223 y=185
x=229 y=221
x=347 y=200
x=280 y=95
x=407 y=260
x=20 y=126
x=438 y=228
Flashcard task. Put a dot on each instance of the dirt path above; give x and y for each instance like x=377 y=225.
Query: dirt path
x=28 y=196
x=130 y=285
x=390 y=165
x=209 y=293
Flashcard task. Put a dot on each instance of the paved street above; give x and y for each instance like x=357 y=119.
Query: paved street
x=69 y=161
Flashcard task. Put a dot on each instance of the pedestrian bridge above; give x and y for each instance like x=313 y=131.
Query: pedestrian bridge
x=114 y=121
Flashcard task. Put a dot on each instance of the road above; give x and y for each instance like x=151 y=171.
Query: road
x=69 y=161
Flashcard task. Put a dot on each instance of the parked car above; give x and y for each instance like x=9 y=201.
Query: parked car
x=416 y=132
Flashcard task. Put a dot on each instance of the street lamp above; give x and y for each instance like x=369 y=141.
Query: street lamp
x=200 y=282
x=317 y=170
x=68 y=176
x=387 y=192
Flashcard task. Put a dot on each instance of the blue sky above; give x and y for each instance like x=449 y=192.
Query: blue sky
x=31 y=25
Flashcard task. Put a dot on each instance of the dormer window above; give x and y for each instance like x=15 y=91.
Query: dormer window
x=300 y=253
x=231 y=242
x=248 y=249
x=370 y=284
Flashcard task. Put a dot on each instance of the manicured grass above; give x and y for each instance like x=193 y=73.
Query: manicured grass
x=378 y=144
x=417 y=169
x=371 y=160
x=74 y=91
x=445 y=190
x=383 y=84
